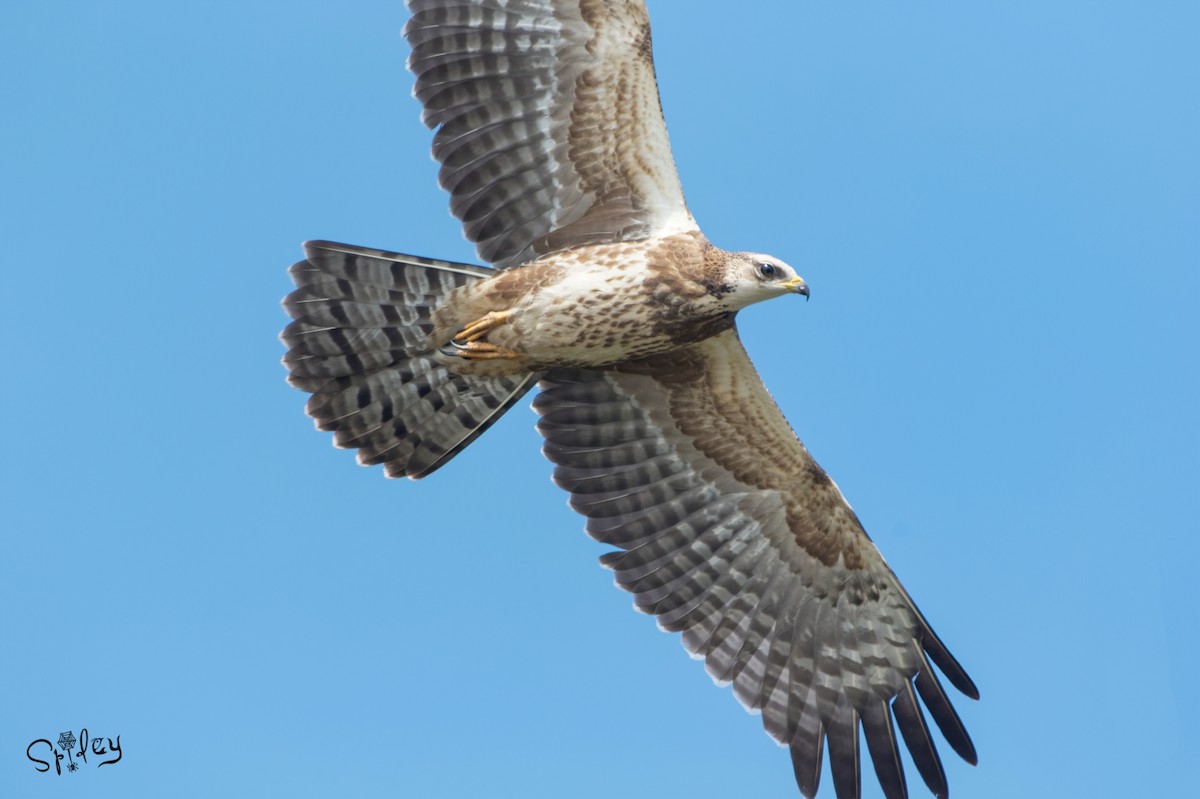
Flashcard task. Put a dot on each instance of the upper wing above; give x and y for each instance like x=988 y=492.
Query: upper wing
x=549 y=128
x=732 y=534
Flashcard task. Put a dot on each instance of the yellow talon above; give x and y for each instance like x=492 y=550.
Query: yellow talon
x=482 y=351
x=481 y=327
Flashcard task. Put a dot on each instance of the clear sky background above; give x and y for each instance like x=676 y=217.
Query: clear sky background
x=997 y=206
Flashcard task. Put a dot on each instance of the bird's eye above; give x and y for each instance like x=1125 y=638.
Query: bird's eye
x=766 y=270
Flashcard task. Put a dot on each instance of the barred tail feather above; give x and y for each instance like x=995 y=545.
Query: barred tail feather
x=358 y=343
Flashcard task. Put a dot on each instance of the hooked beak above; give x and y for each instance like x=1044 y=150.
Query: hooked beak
x=797 y=285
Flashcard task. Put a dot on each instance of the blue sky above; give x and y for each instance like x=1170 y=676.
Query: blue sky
x=997 y=207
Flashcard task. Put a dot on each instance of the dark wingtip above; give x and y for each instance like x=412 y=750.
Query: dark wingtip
x=944 y=714
x=808 y=777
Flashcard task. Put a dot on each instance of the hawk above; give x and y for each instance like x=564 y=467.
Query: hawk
x=604 y=293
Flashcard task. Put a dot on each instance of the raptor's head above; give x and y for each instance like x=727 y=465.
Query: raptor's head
x=754 y=277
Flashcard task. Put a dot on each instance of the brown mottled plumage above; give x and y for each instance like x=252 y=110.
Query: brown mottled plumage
x=641 y=298
x=606 y=294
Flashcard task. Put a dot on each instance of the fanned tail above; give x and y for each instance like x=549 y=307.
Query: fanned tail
x=359 y=345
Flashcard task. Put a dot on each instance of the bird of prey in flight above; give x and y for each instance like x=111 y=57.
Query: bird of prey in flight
x=603 y=293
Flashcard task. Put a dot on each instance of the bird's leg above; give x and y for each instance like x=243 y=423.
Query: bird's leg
x=481 y=351
x=481 y=327
x=469 y=344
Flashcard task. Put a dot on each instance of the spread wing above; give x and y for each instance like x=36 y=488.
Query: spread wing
x=549 y=130
x=729 y=532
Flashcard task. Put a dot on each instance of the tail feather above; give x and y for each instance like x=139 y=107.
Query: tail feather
x=359 y=344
